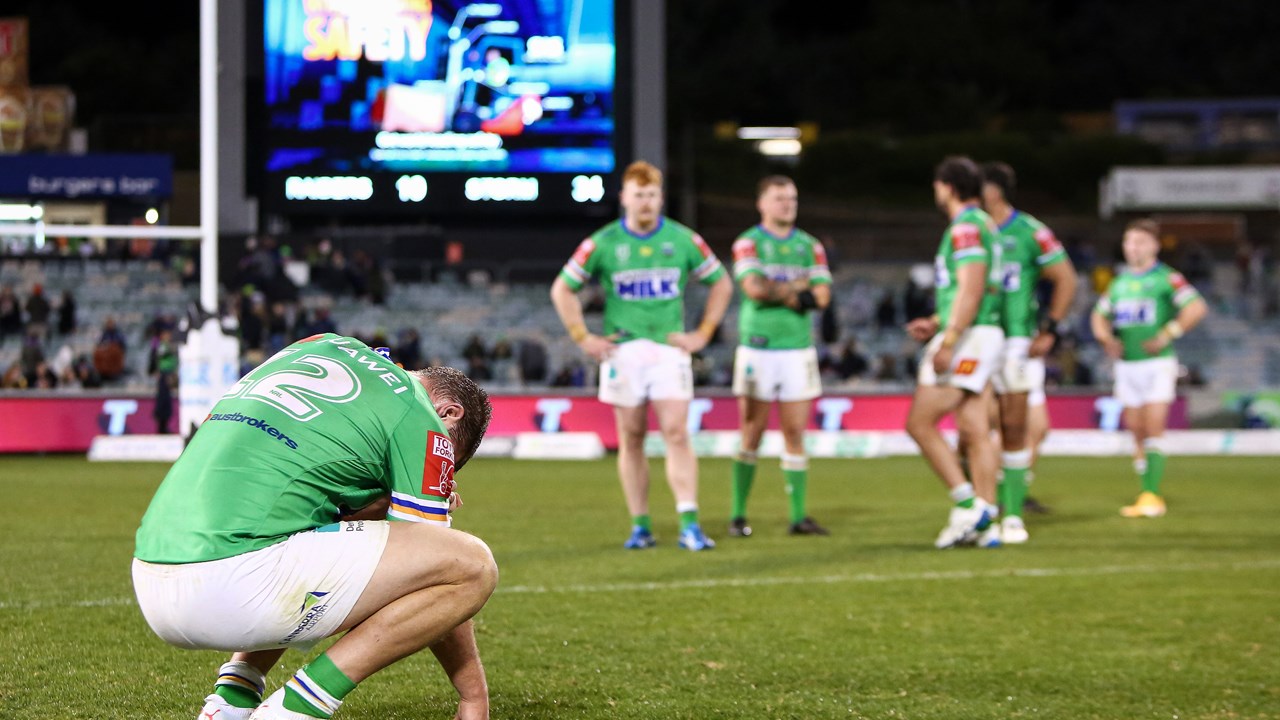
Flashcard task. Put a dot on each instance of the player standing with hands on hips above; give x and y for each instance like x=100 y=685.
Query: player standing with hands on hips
x=783 y=273
x=1145 y=308
x=643 y=261
x=270 y=531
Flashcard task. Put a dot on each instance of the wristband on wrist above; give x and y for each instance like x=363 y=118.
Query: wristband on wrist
x=1174 y=329
x=1049 y=326
x=950 y=336
x=577 y=331
x=806 y=300
x=707 y=329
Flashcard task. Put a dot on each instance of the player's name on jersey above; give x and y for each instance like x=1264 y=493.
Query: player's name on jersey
x=368 y=364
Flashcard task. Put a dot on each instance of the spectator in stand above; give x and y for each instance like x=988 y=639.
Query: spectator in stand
x=85 y=374
x=67 y=313
x=38 y=311
x=917 y=298
x=886 y=312
x=321 y=322
x=43 y=378
x=852 y=363
x=279 y=332
x=163 y=366
x=253 y=324
x=408 y=349
x=32 y=353
x=478 y=359
x=110 y=353
x=531 y=355
x=10 y=313
x=887 y=368
x=14 y=378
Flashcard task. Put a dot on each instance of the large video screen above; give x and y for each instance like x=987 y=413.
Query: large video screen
x=432 y=108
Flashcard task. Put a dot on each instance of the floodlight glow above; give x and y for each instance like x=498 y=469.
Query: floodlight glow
x=152 y=216
x=779 y=147
x=20 y=212
x=769 y=133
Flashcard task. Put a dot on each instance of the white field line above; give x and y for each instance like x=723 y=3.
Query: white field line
x=853 y=578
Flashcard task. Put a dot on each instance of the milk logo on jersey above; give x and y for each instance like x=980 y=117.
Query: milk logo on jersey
x=1135 y=311
x=786 y=273
x=437 y=471
x=647 y=284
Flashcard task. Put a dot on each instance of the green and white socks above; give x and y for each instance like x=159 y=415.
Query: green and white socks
x=744 y=475
x=240 y=684
x=1153 y=473
x=317 y=690
x=1013 y=481
x=795 y=471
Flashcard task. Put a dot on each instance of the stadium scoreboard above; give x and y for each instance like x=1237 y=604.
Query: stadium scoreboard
x=428 y=108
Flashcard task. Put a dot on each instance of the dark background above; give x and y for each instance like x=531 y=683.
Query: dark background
x=891 y=86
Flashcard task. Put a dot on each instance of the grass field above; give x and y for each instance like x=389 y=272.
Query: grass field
x=1097 y=617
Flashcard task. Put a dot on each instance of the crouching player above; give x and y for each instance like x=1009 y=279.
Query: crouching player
x=270 y=531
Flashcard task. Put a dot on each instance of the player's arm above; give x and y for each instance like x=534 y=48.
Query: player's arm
x=1100 y=324
x=971 y=283
x=1188 y=317
x=458 y=654
x=1062 y=275
x=971 y=279
x=564 y=297
x=765 y=291
x=751 y=276
x=718 y=297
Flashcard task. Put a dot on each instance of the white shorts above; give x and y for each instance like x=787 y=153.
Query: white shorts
x=1142 y=382
x=643 y=370
x=783 y=375
x=291 y=594
x=1012 y=376
x=973 y=362
x=1035 y=372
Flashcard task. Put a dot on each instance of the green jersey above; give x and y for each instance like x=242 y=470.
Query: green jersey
x=324 y=423
x=970 y=238
x=1140 y=304
x=643 y=276
x=1027 y=246
x=799 y=256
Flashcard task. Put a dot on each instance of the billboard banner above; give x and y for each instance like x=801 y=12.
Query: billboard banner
x=67 y=424
x=70 y=177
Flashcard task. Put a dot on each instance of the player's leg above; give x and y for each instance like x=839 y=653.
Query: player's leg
x=682 y=469
x=622 y=386
x=793 y=417
x=960 y=391
x=1037 y=428
x=1015 y=461
x=632 y=424
x=669 y=382
x=240 y=685
x=799 y=383
x=428 y=582
x=1162 y=379
x=753 y=417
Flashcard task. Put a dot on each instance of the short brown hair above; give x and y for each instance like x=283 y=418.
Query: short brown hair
x=1146 y=225
x=769 y=181
x=452 y=384
x=642 y=173
x=962 y=174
